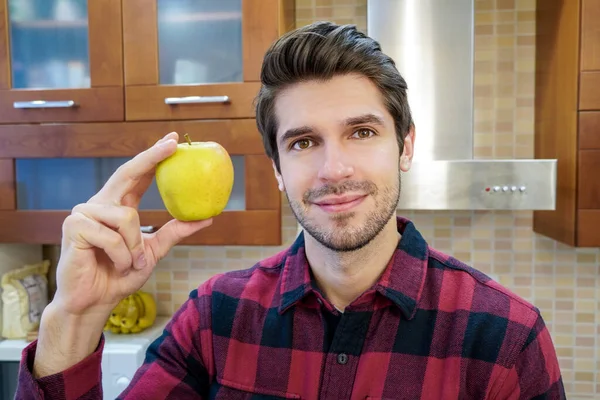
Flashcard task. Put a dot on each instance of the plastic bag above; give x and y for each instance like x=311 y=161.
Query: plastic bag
x=24 y=297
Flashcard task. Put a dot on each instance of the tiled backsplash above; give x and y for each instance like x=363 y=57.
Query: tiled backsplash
x=563 y=282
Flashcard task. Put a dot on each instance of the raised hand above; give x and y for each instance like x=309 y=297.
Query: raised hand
x=104 y=258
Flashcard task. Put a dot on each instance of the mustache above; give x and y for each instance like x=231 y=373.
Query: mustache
x=366 y=187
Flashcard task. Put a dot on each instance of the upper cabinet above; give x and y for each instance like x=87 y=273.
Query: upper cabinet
x=567 y=117
x=61 y=61
x=199 y=59
x=86 y=85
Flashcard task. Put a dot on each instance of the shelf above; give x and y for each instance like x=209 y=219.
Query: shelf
x=50 y=24
x=11 y=349
x=200 y=17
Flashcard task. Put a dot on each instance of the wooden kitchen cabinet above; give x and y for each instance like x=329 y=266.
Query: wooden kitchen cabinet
x=199 y=59
x=62 y=165
x=47 y=168
x=590 y=35
x=61 y=61
x=567 y=117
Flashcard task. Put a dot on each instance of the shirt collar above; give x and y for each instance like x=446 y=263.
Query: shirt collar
x=402 y=281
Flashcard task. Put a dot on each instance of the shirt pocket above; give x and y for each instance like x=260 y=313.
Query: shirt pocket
x=222 y=389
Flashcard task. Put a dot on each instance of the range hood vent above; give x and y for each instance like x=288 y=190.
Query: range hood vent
x=432 y=43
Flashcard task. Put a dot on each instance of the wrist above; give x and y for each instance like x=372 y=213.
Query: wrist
x=57 y=317
x=65 y=339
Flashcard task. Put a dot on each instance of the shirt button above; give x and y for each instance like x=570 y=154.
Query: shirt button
x=342 y=358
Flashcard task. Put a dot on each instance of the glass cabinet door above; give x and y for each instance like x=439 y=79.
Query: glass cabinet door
x=199 y=41
x=61 y=61
x=62 y=183
x=196 y=59
x=49 y=44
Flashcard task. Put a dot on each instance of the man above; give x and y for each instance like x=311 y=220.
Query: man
x=358 y=307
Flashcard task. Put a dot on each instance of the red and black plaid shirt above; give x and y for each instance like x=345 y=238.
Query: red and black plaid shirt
x=430 y=328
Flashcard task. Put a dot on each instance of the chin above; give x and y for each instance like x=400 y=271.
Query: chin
x=343 y=232
x=342 y=244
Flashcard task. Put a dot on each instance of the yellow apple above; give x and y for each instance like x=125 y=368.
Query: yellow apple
x=196 y=181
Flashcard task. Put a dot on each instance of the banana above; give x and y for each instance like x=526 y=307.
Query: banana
x=139 y=304
x=133 y=314
x=117 y=312
x=150 y=310
x=136 y=329
x=129 y=319
x=108 y=325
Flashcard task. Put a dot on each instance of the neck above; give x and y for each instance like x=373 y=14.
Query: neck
x=344 y=276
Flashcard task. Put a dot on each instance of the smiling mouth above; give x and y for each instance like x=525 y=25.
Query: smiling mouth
x=340 y=203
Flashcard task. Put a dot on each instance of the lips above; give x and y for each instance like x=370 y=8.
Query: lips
x=340 y=203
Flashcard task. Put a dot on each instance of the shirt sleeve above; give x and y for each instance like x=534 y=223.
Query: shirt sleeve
x=536 y=372
x=174 y=366
x=175 y=363
x=81 y=381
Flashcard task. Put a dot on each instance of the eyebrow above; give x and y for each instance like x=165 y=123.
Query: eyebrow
x=364 y=119
x=352 y=121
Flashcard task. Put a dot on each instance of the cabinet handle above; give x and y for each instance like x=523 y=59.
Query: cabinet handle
x=148 y=229
x=197 y=100
x=44 y=104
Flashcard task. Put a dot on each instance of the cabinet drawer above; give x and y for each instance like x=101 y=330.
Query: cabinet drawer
x=588 y=228
x=588 y=182
x=589 y=91
x=191 y=102
x=589 y=130
x=67 y=105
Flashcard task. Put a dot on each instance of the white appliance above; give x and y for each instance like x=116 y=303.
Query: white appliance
x=122 y=356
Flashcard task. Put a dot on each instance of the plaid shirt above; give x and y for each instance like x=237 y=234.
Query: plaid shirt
x=430 y=328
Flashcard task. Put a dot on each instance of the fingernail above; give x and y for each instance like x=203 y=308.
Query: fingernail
x=141 y=262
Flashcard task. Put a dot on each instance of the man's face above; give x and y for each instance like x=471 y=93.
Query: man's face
x=339 y=159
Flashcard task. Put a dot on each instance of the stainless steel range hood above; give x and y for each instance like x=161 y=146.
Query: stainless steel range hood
x=432 y=43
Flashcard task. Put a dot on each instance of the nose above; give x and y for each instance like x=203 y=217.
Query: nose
x=336 y=165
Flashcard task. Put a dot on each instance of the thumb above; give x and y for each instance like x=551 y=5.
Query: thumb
x=160 y=242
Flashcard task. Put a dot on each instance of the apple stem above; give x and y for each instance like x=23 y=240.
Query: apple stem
x=187 y=137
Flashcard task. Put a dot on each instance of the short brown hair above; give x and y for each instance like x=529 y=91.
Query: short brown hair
x=320 y=51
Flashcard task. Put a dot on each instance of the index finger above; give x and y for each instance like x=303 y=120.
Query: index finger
x=129 y=175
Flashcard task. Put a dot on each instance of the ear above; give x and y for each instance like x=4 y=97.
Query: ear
x=278 y=177
x=408 y=151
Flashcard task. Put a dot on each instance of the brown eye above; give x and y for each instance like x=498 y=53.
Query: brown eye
x=302 y=144
x=364 y=133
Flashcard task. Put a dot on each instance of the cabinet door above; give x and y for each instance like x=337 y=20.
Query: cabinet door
x=587 y=228
x=590 y=35
x=589 y=91
x=589 y=130
x=588 y=182
x=46 y=170
x=61 y=61
x=188 y=59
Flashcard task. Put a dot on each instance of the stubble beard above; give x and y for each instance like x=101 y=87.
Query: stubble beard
x=340 y=235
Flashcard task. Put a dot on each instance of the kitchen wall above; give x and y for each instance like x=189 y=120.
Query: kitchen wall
x=14 y=256
x=563 y=282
